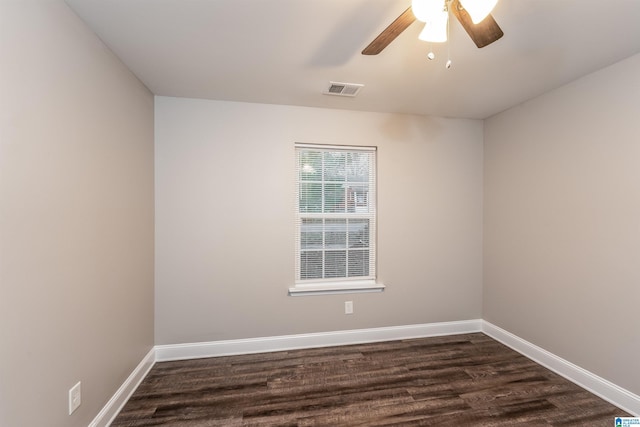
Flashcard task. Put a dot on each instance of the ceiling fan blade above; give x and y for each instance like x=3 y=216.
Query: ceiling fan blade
x=390 y=33
x=482 y=33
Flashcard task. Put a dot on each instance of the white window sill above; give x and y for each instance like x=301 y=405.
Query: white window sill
x=330 y=288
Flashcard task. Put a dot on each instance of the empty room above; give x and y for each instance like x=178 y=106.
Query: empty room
x=322 y=212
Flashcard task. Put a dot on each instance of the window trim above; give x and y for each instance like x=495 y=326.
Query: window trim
x=336 y=287
x=339 y=285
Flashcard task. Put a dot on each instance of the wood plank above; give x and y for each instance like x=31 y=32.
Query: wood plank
x=467 y=379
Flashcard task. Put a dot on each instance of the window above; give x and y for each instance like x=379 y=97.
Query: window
x=335 y=219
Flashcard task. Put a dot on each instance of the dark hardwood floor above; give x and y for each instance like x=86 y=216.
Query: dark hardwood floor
x=461 y=380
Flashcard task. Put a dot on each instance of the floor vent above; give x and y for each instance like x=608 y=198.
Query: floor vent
x=343 y=89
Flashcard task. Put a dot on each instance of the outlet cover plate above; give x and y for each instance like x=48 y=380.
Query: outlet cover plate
x=75 y=397
x=348 y=307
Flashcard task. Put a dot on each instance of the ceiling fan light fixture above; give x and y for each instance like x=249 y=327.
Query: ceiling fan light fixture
x=424 y=10
x=482 y=34
x=478 y=9
x=435 y=30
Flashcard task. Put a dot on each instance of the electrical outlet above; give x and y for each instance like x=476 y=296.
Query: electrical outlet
x=75 y=397
x=348 y=307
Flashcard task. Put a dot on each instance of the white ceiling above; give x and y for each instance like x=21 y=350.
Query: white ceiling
x=286 y=51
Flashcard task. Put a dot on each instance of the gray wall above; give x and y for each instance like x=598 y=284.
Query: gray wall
x=562 y=222
x=224 y=220
x=76 y=218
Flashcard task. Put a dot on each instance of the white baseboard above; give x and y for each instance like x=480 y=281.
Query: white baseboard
x=608 y=391
x=115 y=404
x=322 y=339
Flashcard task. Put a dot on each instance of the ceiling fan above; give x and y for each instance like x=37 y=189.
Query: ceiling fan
x=483 y=32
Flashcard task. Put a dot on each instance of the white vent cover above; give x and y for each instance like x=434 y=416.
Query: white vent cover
x=343 y=89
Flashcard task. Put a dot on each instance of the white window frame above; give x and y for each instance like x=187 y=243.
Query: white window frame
x=347 y=284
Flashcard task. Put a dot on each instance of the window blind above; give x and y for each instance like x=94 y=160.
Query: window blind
x=335 y=213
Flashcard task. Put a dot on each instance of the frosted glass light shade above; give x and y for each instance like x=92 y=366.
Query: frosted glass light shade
x=435 y=30
x=424 y=10
x=478 y=9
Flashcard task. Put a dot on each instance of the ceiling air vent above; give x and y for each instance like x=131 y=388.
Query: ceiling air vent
x=343 y=89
